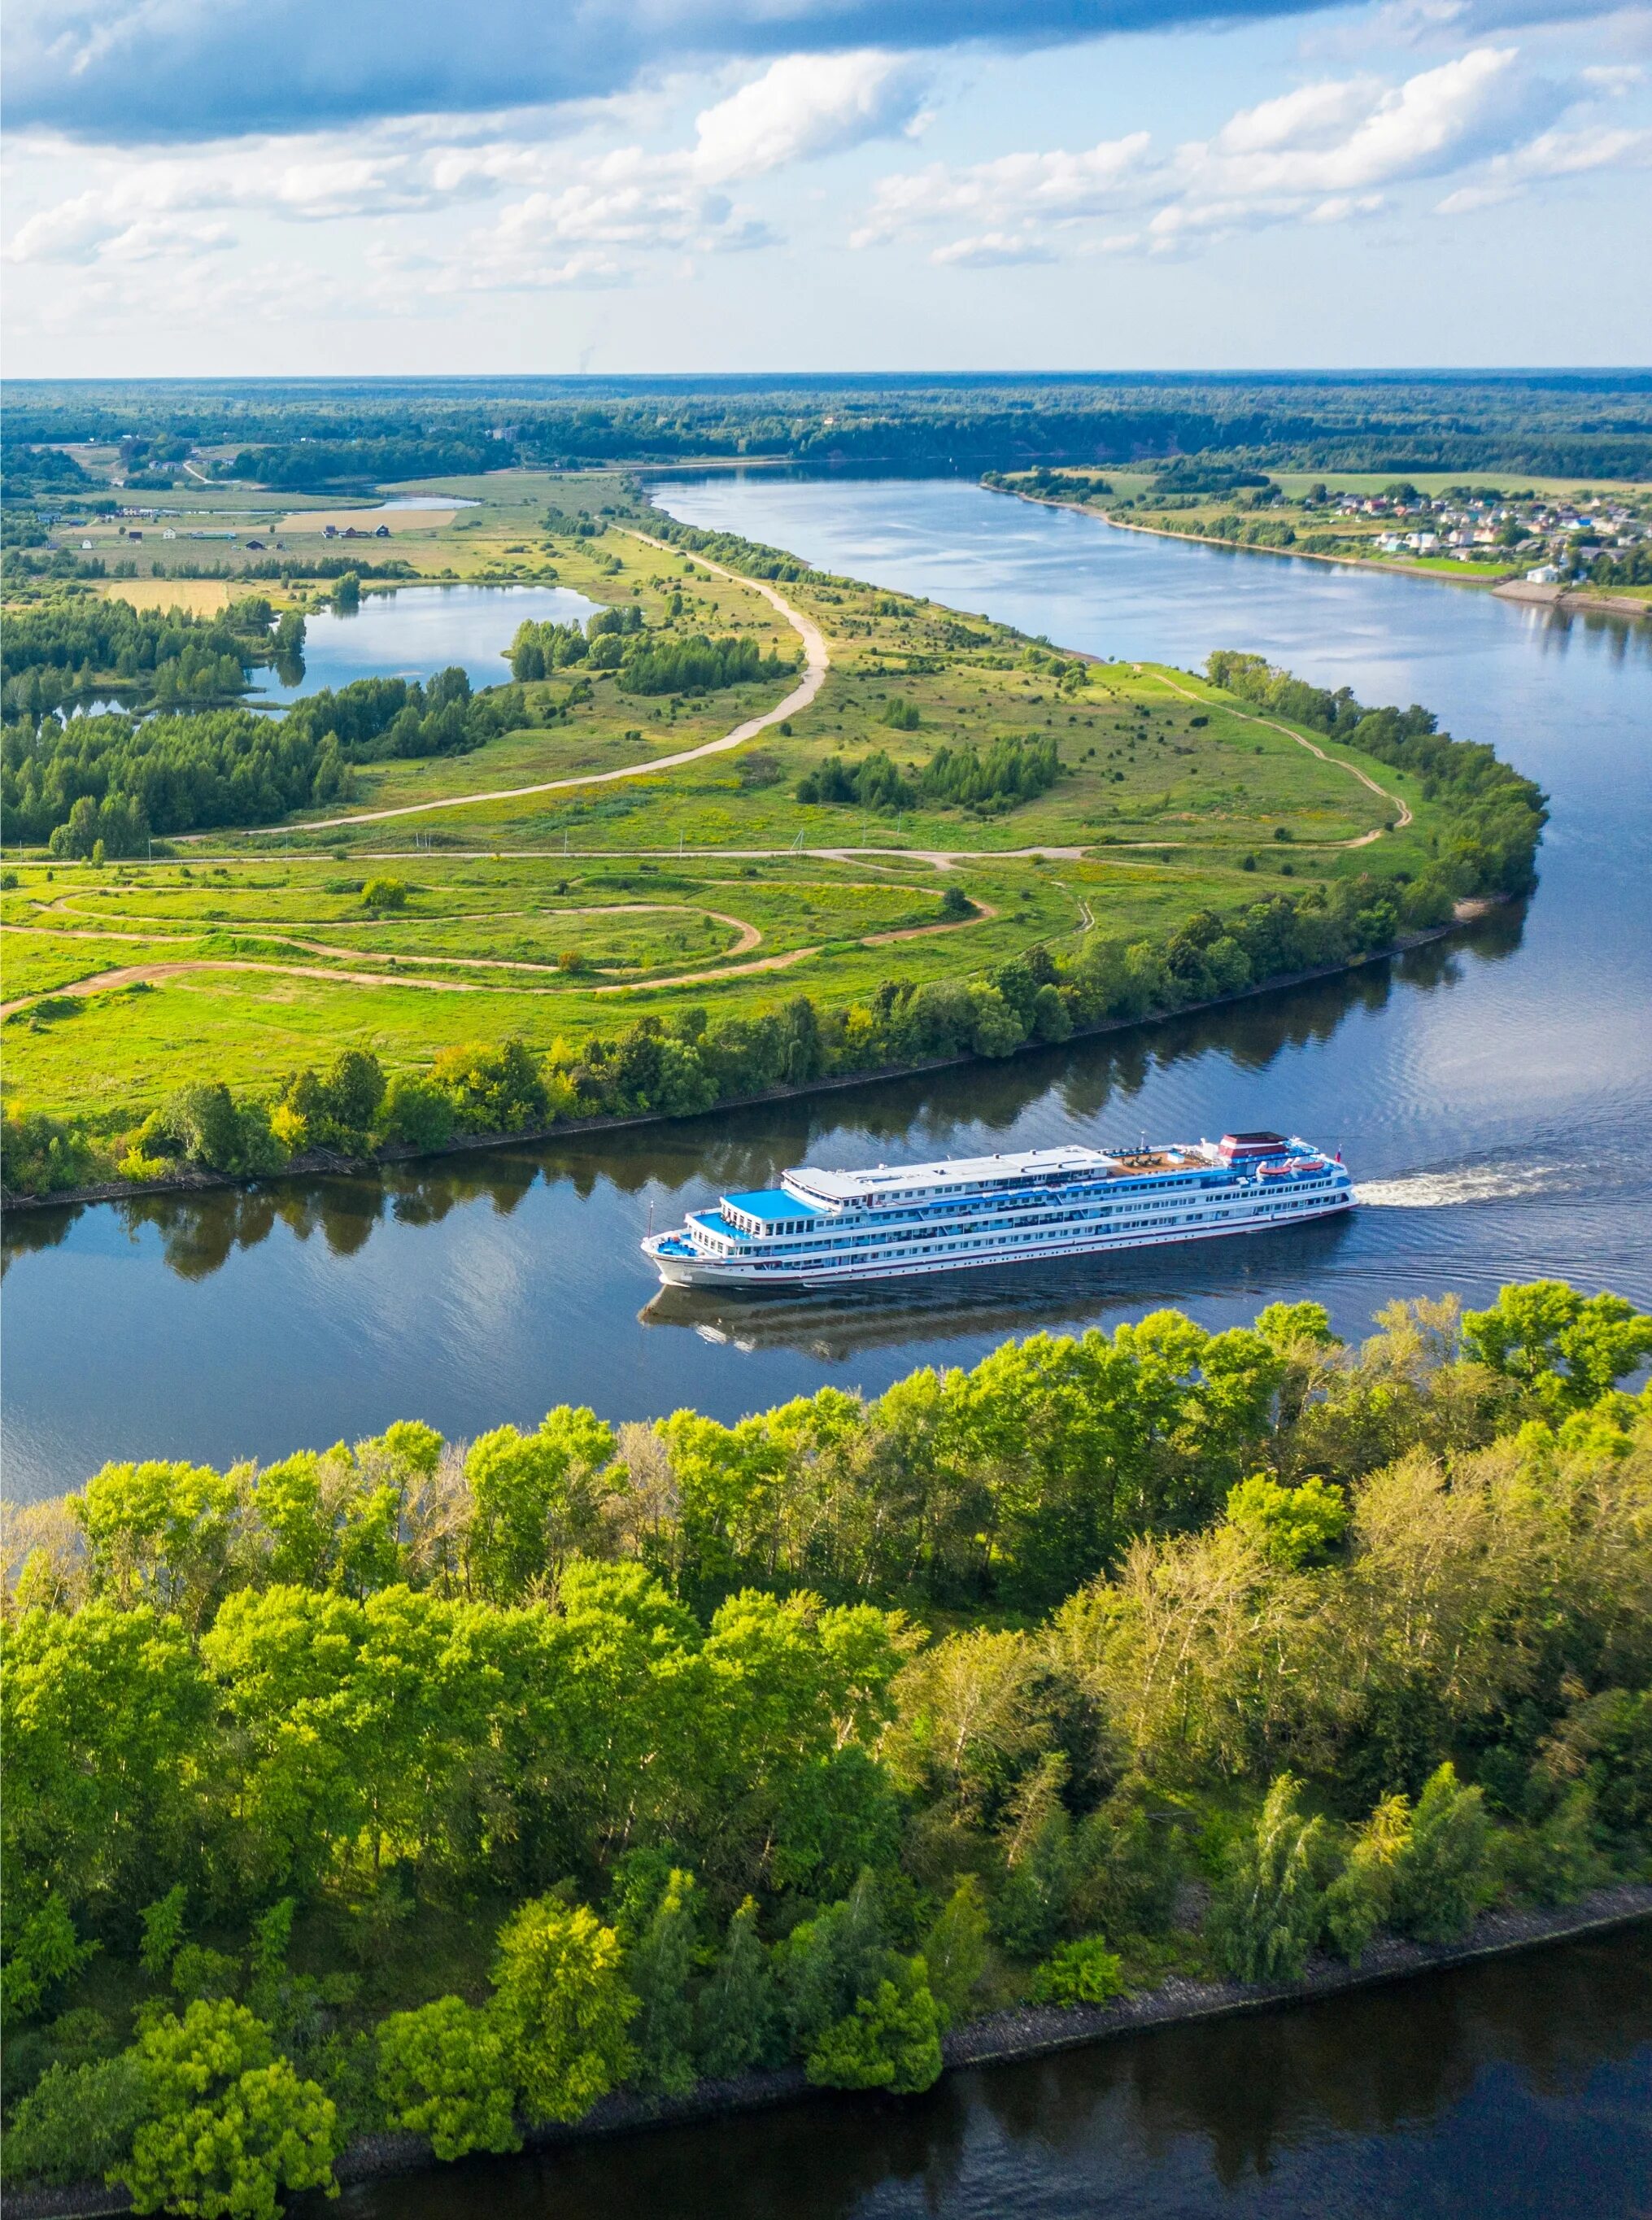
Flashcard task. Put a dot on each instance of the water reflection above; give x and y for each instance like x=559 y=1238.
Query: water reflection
x=1520 y=2086
x=199 y=1232
x=1489 y=1091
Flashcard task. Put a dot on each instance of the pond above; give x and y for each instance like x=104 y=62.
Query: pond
x=1490 y=1091
x=412 y=632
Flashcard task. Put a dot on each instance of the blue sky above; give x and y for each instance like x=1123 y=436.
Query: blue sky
x=219 y=187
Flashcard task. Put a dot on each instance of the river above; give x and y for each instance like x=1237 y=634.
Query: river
x=1491 y=1091
x=1519 y=2087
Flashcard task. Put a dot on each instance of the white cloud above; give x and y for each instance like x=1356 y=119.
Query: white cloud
x=804 y=107
x=1327 y=153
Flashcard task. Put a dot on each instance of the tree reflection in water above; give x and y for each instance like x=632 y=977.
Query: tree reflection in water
x=200 y=1231
x=1519 y=2087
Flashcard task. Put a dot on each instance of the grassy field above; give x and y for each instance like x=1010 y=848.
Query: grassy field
x=556 y=913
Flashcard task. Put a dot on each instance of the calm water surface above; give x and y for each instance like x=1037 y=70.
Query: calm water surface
x=414 y=631
x=1491 y=1092
x=1520 y=2089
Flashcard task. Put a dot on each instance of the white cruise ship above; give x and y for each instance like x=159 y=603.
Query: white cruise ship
x=817 y=1228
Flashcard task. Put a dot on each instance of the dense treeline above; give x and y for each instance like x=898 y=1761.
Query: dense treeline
x=61 y=650
x=662 y=1719
x=1496 y=814
x=1555 y=422
x=119 y=780
x=697 y=665
x=1007 y=772
x=304 y=465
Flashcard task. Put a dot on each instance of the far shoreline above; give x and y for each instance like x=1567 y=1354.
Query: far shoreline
x=1506 y=586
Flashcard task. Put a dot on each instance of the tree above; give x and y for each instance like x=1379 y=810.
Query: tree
x=831 y=1962
x=78 y=2122
x=44 y=1951
x=956 y=1950
x=892 y=2039
x=445 y=2072
x=1361 y=1897
x=1443 y=1875
x=163 y=1930
x=531 y=1497
x=738 y=2004
x=564 y=2007
x=1292 y=1526
x=659 y=1968
x=1568 y=1349
x=1267 y=1909
x=232 y=2124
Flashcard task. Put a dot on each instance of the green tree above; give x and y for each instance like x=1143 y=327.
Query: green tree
x=1360 y=1899
x=659 y=1970
x=163 y=1930
x=831 y=1962
x=231 y=2126
x=1443 y=1875
x=1292 y=1526
x=531 y=1498
x=1568 y=1349
x=1268 y=1908
x=43 y=1951
x=445 y=2072
x=891 y=2039
x=956 y=1950
x=78 y=2122
x=564 y=2007
x=738 y=2004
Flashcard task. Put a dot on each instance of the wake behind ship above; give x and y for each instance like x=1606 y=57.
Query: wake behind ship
x=819 y=1227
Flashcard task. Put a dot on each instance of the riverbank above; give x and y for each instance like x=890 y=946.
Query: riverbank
x=323 y=1163
x=1001 y=2038
x=1507 y=585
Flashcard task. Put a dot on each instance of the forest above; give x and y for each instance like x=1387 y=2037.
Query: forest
x=362 y=432
x=118 y=779
x=450 y=1786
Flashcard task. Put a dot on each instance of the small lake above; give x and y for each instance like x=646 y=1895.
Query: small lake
x=412 y=632
x=1518 y=2088
x=1490 y=1091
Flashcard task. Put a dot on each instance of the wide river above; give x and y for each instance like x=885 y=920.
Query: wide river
x=1493 y=1095
x=1491 y=1092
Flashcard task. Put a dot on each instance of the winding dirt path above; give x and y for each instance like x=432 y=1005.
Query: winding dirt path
x=127 y=975
x=1338 y=762
x=817 y=663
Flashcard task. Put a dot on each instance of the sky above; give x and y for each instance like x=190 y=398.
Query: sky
x=396 y=187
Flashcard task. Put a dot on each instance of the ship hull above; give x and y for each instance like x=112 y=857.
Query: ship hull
x=704 y=1272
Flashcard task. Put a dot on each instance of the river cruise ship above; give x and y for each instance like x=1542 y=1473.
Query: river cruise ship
x=817 y=1228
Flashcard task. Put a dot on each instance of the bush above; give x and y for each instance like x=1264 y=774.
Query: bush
x=892 y=2039
x=444 y=2072
x=564 y=2007
x=385 y=893
x=1082 y=1972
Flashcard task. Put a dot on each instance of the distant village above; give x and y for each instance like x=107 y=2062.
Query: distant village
x=1491 y=526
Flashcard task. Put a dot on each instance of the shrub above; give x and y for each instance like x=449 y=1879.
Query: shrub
x=564 y=2007
x=892 y=2039
x=1082 y=1972
x=385 y=894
